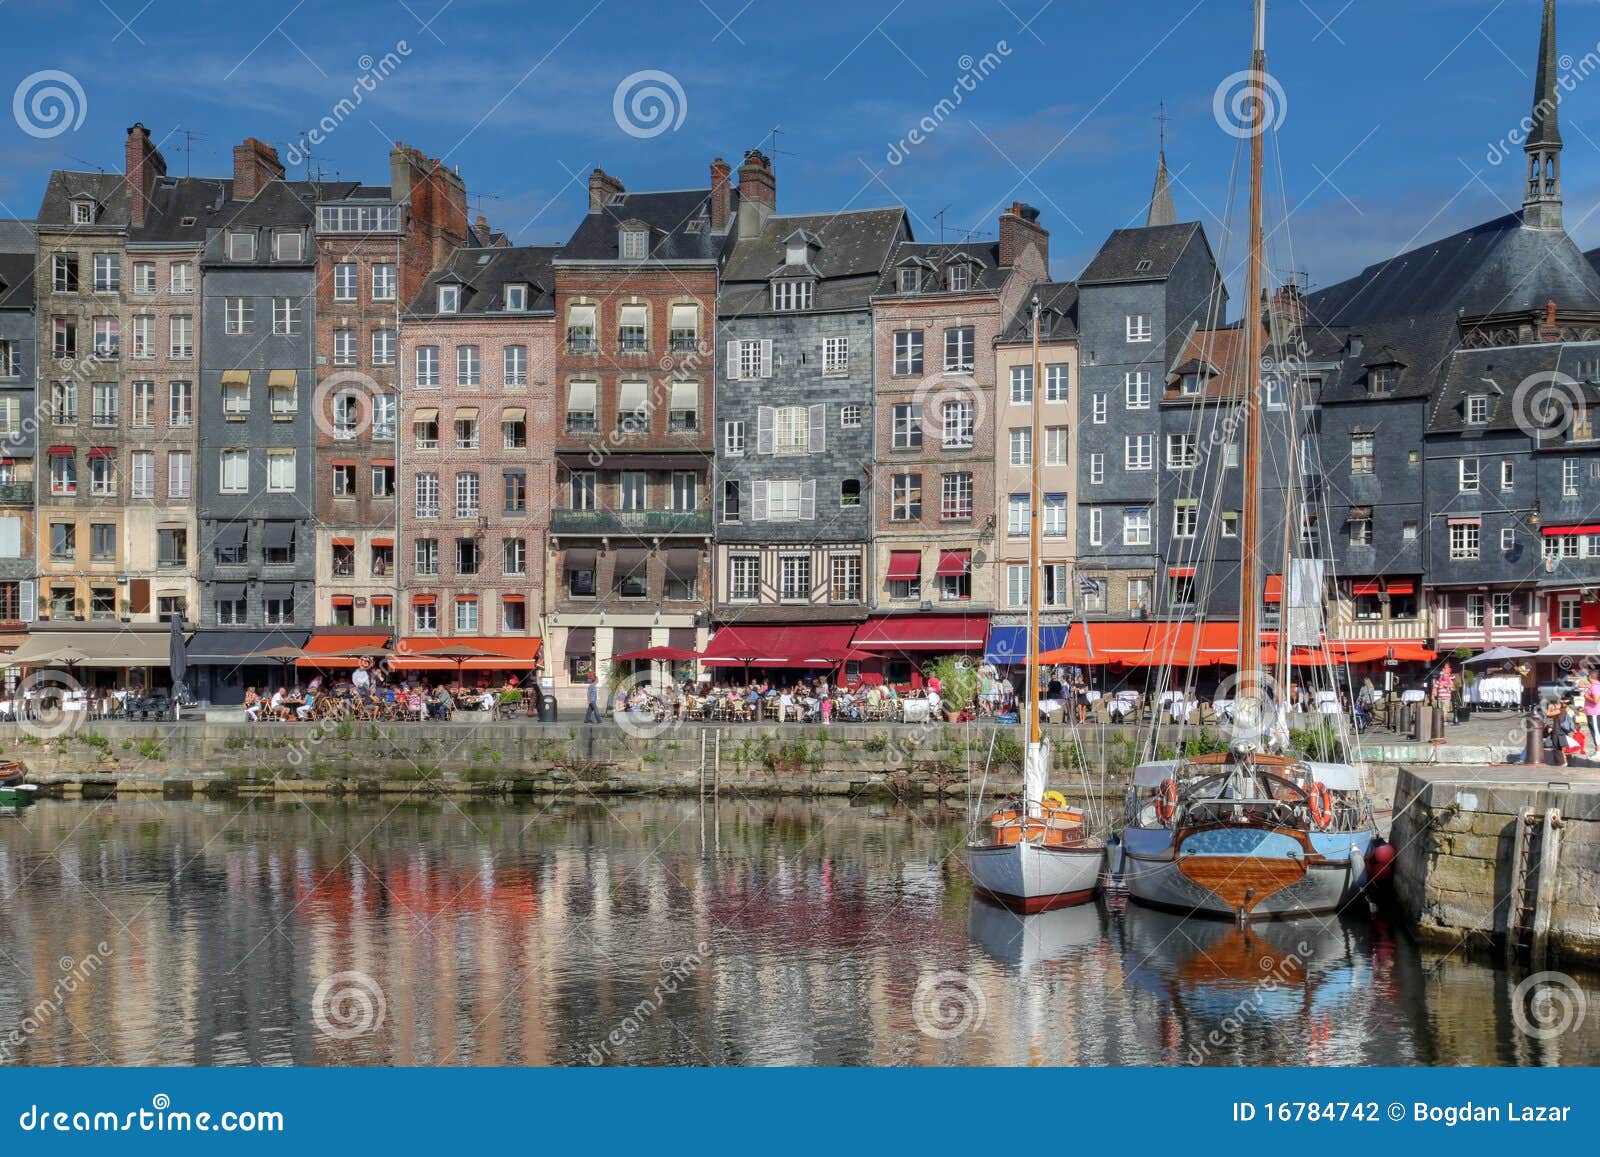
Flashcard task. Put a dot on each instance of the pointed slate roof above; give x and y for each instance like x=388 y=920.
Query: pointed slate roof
x=1162 y=210
x=1123 y=256
x=1546 y=132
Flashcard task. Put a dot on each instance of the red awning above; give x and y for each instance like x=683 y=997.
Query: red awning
x=511 y=653
x=325 y=648
x=1560 y=531
x=1401 y=587
x=513 y=598
x=383 y=461
x=1367 y=587
x=382 y=600
x=1180 y=572
x=904 y=565
x=923 y=632
x=62 y=451
x=344 y=542
x=388 y=542
x=954 y=563
x=1274 y=588
x=466 y=598
x=344 y=600
x=102 y=452
x=423 y=600
x=1465 y=521
x=753 y=645
x=344 y=461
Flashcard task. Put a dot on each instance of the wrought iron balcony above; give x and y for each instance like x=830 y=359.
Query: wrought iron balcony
x=651 y=522
x=16 y=493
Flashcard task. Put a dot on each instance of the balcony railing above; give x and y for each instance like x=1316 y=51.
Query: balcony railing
x=1379 y=630
x=694 y=522
x=16 y=493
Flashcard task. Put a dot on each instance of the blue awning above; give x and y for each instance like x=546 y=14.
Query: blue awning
x=1008 y=646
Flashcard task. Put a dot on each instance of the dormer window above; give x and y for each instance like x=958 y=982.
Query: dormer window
x=1477 y=409
x=241 y=246
x=83 y=211
x=910 y=280
x=1189 y=385
x=958 y=278
x=634 y=245
x=791 y=294
x=1145 y=265
x=288 y=245
x=449 y=299
x=795 y=253
x=1381 y=380
x=516 y=298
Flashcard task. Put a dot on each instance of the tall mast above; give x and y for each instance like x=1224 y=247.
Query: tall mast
x=1034 y=575
x=1249 y=656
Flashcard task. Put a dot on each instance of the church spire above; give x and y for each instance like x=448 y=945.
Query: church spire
x=1162 y=211
x=1541 y=206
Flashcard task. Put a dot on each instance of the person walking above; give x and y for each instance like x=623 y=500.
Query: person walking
x=592 y=715
x=1591 y=709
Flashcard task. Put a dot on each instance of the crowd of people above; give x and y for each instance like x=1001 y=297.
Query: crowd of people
x=805 y=700
x=367 y=695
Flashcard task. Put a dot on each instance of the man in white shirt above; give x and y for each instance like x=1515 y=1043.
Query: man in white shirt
x=360 y=679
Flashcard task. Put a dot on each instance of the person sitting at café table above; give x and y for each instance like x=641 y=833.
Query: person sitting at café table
x=305 y=709
x=252 y=705
x=275 y=708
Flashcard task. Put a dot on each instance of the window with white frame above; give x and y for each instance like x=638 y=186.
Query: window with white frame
x=1569 y=613
x=835 y=356
x=906 y=426
x=1468 y=475
x=750 y=359
x=1185 y=518
x=144 y=276
x=744 y=577
x=905 y=498
x=102 y=474
x=285 y=315
x=385 y=282
x=1018 y=512
x=1139 y=328
x=180 y=338
x=180 y=474
x=235 y=400
x=1363 y=451
x=633 y=329
x=844 y=578
x=1057 y=382
x=1057 y=445
x=791 y=294
x=1508 y=540
x=143 y=336
x=959 y=349
x=180 y=278
x=1464 y=540
x=1136 y=526
x=955 y=497
x=383 y=347
x=1054 y=516
x=1139 y=452
x=1508 y=476
x=344 y=347
x=957 y=419
x=469 y=367
x=1477 y=409
x=850 y=416
x=1098 y=407
x=1097 y=468
x=733 y=439
x=794 y=577
x=1136 y=388
x=633 y=407
x=107 y=272
x=582 y=328
x=1017 y=585
x=234 y=476
x=449 y=299
x=683 y=328
x=907 y=352
x=1021 y=385
x=427 y=494
x=107 y=337
x=633 y=244
x=1097 y=535
x=241 y=246
x=427 y=366
x=280 y=471
x=1571 y=476
x=516 y=298
x=238 y=315
x=288 y=245
x=1021 y=446
x=142 y=471
x=1183 y=451
x=515 y=369
x=466 y=495
x=107 y=397
x=180 y=404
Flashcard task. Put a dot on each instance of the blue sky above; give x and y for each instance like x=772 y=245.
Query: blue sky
x=1390 y=108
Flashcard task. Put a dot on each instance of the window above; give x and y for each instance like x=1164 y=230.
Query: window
x=1097 y=469
x=106 y=403
x=346 y=415
x=1185 y=518
x=344 y=347
x=633 y=334
x=1139 y=452
x=288 y=245
x=231 y=612
x=850 y=417
x=958 y=278
x=107 y=337
x=63 y=543
x=238 y=315
x=427 y=366
x=794 y=578
x=909 y=280
x=581 y=328
x=685 y=491
x=1569 y=613
x=1361 y=526
x=514 y=556
x=1464 y=540
x=468 y=367
x=514 y=367
x=844 y=578
x=749 y=360
x=142 y=468
x=466 y=495
x=449 y=299
x=1408 y=530
x=466 y=433
x=1477 y=409
x=144 y=336
x=633 y=407
x=1136 y=388
x=64 y=344
x=907 y=352
x=835 y=357
x=383 y=480
x=358 y=218
x=791 y=294
x=181 y=277
x=633 y=244
x=733 y=439
x=514 y=433
x=385 y=282
x=1508 y=540
x=1362 y=452
x=905 y=498
x=107 y=272
x=631 y=584
x=282 y=402
x=744 y=577
x=581 y=489
x=180 y=404
x=1571 y=474
x=955 y=498
x=1183 y=452
x=1136 y=526
x=787 y=501
x=144 y=276
x=1055 y=516
x=1273 y=396
x=280 y=471
x=683 y=329
x=907 y=428
x=344 y=480
x=956 y=587
x=1096 y=527
x=427 y=495
x=103 y=541
x=424 y=616
x=959 y=349
x=732 y=504
x=172 y=547
x=180 y=338
x=234 y=477
x=958 y=425
x=683 y=407
x=1021 y=385
x=1508 y=476
x=1098 y=406
x=1467 y=474
x=1017 y=516
x=849 y=492
x=383 y=347
x=1381 y=380
x=64 y=272
x=1500 y=610
x=469 y=559
x=1138 y=328
x=285 y=315
x=426 y=557
x=235 y=401
x=1057 y=382
x=102 y=474
x=1017 y=586
x=385 y=408
x=1021 y=442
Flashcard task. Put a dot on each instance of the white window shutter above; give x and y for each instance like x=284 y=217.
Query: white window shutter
x=766 y=357
x=758 y=502
x=818 y=441
x=733 y=361
x=808 y=500
x=29 y=599
x=766 y=433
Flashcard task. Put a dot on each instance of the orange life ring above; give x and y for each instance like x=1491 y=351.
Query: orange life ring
x=1167 y=800
x=1320 y=800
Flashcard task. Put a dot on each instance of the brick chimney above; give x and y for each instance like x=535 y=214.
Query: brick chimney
x=1286 y=314
x=758 y=193
x=142 y=163
x=1020 y=231
x=437 y=197
x=254 y=164
x=721 y=194
x=602 y=187
x=1549 y=331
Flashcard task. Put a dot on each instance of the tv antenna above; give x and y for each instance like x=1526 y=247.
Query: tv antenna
x=189 y=138
x=939 y=217
x=99 y=168
x=774 y=150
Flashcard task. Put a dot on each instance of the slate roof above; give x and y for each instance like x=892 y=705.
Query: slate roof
x=1500 y=372
x=18 y=236
x=203 y=202
x=987 y=274
x=277 y=204
x=1593 y=257
x=854 y=248
x=679 y=220
x=482 y=273
x=65 y=186
x=1058 y=315
x=16 y=280
x=1121 y=258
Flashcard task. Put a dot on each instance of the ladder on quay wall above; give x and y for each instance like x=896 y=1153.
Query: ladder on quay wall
x=1532 y=891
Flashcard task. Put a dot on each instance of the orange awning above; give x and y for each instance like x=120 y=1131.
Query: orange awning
x=344 y=600
x=325 y=647
x=1274 y=588
x=511 y=653
x=388 y=542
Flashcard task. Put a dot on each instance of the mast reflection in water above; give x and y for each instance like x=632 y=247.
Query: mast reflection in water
x=143 y=933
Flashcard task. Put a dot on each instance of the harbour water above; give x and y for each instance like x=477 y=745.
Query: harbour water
x=663 y=932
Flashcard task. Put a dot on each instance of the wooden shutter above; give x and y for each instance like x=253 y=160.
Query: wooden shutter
x=1456 y=612
x=733 y=361
x=766 y=433
x=766 y=357
x=818 y=441
x=139 y=596
x=808 y=500
x=28 y=597
x=758 y=502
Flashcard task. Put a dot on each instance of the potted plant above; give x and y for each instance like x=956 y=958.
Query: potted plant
x=44 y=607
x=79 y=609
x=127 y=610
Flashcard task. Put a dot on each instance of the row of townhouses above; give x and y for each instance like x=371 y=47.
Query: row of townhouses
x=288 y=408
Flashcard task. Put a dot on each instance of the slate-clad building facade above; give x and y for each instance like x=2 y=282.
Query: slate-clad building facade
x=18 y=366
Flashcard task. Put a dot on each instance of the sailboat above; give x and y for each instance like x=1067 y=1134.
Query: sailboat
x=1037 y=854
x=1255 y=831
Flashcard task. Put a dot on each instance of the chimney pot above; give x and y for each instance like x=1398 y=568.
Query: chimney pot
x=602 y=187
x=1020 y=231
x=142 y=165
